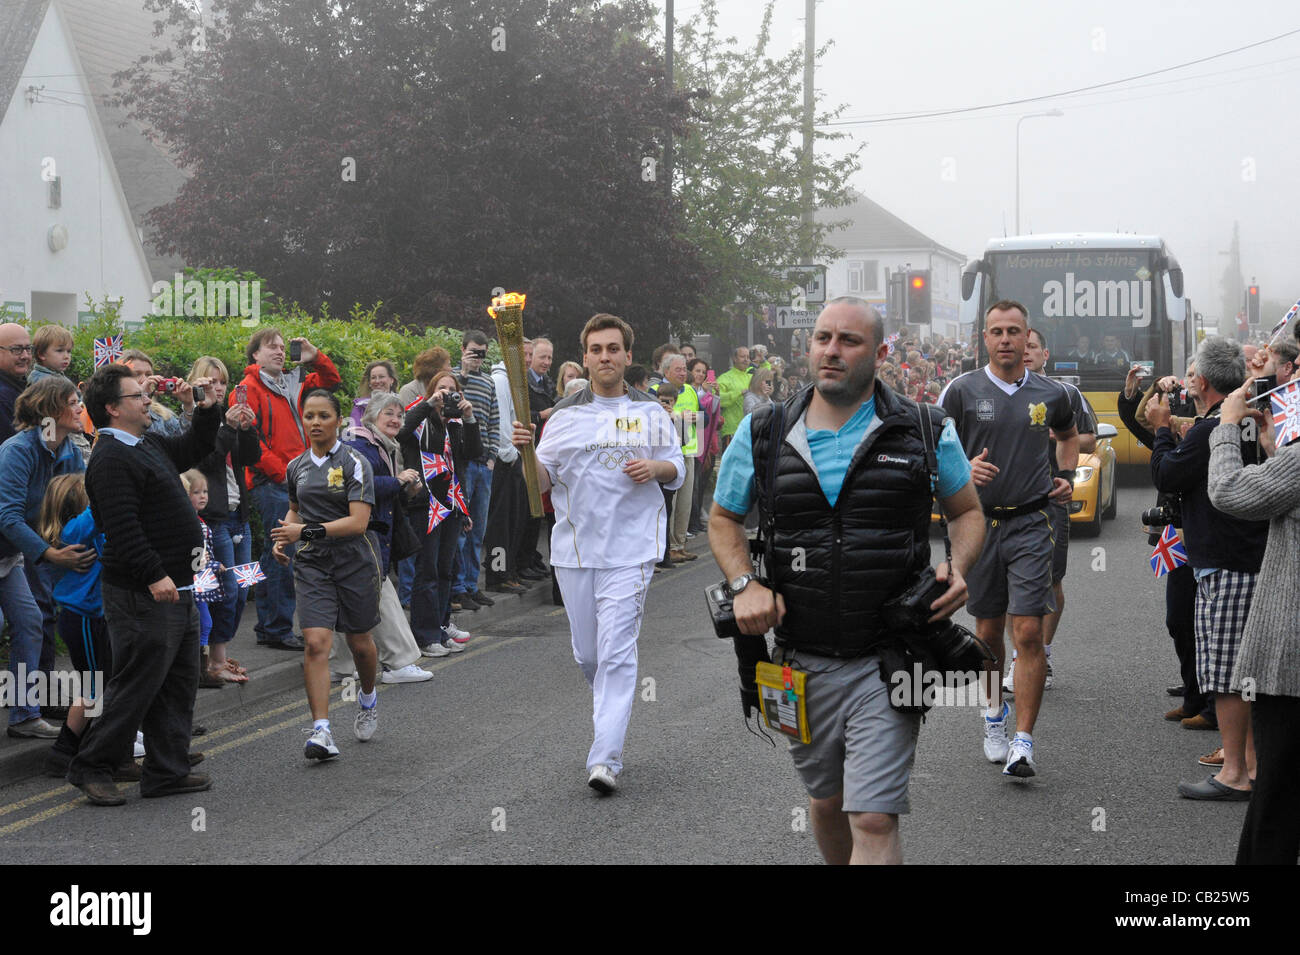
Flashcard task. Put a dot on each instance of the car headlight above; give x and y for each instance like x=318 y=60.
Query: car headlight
x=1083 y=475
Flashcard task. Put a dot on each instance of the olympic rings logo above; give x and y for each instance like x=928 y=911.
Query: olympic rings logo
x=613 y=459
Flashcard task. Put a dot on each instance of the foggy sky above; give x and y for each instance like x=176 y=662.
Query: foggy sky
x=1173 y=159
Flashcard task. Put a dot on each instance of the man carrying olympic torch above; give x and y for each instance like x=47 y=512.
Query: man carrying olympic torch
x=605 y=452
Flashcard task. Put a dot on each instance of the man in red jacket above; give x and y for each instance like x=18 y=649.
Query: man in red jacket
x=275 y=395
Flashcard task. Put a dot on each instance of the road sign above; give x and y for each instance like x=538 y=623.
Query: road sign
x=813 y=279
x=787 y=317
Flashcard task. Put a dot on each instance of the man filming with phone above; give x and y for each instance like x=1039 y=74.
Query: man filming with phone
x=275 y=395
x=849 y=519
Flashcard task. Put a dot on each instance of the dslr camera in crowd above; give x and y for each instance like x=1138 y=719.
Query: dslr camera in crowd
x=1168 y=510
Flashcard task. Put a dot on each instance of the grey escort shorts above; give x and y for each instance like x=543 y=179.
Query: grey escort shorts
x=1059 y=515
x=1014 y=570
x=861 y=746
x=336 y=584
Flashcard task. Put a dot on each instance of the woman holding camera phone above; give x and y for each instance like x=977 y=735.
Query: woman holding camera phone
x=449 y=434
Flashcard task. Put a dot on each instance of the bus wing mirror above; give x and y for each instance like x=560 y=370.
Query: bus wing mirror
x=1175 y=306
x=1105 y=431
x=1175 y=281
x=968 y=280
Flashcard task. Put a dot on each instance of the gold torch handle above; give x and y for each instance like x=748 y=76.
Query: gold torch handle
x=509 y=318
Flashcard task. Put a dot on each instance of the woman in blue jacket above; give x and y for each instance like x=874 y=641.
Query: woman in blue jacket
x=46 y=415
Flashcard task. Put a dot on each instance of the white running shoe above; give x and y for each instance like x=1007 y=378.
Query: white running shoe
x=457 y=634
x=1009 y=681
x=452 y=646
x=320 y=746
x=139 y=745
x=1050 y=680
x=434 y=649
x=1020 y=759
x=602 y=780
x=407 y=674
x=995 y=736
x=367 y=721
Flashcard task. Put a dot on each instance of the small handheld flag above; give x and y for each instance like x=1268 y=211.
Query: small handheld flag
x=1286 y=414
x=206 y=581
x=437 y=513
x=1169 y=554
x=109 y=350
x=248 y=574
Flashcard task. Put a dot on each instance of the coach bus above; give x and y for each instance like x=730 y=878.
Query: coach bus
x=1102 y=301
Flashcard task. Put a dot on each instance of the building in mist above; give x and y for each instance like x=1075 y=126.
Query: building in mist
x=77 y=182
x=878 y=244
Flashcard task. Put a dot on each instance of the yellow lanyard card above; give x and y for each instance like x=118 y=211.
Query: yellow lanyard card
x=781 y=691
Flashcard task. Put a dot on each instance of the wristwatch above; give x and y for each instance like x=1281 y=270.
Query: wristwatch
x=312 y=532
x=740 y=583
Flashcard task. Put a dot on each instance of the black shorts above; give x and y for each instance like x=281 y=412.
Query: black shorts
x=336 y=584
x=1060 y=515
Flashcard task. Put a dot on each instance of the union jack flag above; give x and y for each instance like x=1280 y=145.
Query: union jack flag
x=248 y=574
x=206 y=581
x=1286 y=414
x=108 y=350
x=437 y=513
x=419 y=428
x=1290 y=314
x=891 y=340
x=457 y=498
x=1169 y=554
x=433 y=464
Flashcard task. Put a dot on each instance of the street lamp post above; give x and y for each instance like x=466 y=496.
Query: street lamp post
x=1051 y=112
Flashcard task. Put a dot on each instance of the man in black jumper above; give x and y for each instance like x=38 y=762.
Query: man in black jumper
x=153 y=543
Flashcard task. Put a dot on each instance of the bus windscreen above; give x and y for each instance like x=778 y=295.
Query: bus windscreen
x=1099 y=310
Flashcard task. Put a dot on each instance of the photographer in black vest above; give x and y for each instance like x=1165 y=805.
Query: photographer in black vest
x=850 y=530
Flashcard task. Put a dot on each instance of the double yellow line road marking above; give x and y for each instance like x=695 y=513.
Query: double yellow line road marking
x=235 y=730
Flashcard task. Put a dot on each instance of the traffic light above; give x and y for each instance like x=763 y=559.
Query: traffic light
x=1252 y=304
x=918 y=297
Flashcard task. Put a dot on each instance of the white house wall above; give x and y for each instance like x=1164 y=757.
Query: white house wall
x=104 y=255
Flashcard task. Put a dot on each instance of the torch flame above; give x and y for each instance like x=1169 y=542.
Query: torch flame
x=504 y=301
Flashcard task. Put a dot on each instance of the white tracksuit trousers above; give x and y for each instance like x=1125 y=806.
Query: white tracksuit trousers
x=604 y=606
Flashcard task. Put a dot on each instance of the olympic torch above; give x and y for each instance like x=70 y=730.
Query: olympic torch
x=508 y=313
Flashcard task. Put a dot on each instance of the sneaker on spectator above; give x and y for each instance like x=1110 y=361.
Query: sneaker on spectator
x=451 y=646
x=481 y=598
x=460 y=603
x=367 y=721
x=434 y=649
x=507 y=587
x=407 y=674
x=320 y=745
x=35 y=728
x=457 y=634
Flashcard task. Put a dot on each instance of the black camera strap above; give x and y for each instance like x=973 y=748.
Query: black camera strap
x=767 y=526
x=932 y=466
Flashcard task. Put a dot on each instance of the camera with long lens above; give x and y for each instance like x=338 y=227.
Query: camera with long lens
x=953 y=647
x=1168 y=510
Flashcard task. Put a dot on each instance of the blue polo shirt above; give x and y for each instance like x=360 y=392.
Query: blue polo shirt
x=832 y=451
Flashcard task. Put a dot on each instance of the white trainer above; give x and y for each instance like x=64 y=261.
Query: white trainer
x=1049 y=681
x=457 y=634
x=367 y=721
x=320 y=745
x=995 y=736
x=434 y=649
x=1020 y=759
x=139 y=745
x=1009 y=681
x=452 y=646
x=602 y=780
x=407 y=674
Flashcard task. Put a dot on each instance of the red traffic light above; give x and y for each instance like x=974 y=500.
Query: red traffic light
x=918 y=281
x=1254 y=290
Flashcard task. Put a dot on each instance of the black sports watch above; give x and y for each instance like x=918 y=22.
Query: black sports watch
x=311 y=532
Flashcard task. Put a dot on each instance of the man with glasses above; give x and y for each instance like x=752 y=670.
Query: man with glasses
x=15 y=363
x=152 y=541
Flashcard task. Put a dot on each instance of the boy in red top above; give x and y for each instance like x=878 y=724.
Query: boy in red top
x=276 y=399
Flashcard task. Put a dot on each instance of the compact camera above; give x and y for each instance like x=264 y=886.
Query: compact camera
x=170 y=385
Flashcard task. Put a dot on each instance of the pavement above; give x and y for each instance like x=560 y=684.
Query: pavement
x=484 y=763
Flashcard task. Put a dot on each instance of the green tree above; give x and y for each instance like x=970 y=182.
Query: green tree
x=738 y=176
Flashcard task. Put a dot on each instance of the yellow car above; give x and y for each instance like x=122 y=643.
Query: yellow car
x=1094 y=486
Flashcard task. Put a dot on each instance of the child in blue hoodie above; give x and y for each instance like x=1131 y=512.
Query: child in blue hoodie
x=65 y=519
